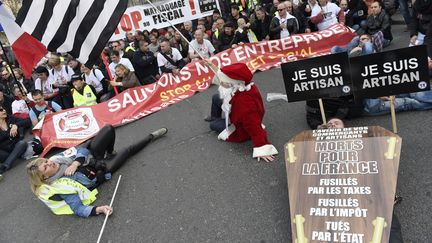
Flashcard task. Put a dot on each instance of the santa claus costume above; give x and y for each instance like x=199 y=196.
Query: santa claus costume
x=243 y=108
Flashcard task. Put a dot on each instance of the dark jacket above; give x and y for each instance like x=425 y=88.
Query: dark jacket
x=28 y=84
x=275 y=29
x=240 y=37
x=224 y=41
x=302 y=20
x=382 y=23
x=7 y=143
x=420 y=23
x=145 y=65
x=261 y=28
x=7 y=104
x=7 y=85
x=358 y=11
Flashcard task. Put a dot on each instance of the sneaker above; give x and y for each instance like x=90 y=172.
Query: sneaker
x=159 y=133
x=209 y=118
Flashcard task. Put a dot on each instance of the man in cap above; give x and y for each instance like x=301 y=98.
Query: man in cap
x=242 y=104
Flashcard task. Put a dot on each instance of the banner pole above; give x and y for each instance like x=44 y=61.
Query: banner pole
x=106 y=216
x=13 y=74
x=393 y=113
x=108 y=70
x=172 y=25
x=322 y=111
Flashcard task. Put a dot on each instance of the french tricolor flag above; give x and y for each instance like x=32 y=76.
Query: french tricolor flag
x=28 y=51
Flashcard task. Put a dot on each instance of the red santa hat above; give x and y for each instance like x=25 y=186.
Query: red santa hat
x=235 y=73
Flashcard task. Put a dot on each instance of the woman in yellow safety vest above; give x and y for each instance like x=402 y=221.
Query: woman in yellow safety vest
x=67 y=181
x=82 y=94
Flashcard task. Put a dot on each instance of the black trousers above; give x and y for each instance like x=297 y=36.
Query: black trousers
x=104 y=142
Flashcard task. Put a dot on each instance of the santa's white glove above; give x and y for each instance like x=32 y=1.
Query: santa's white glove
x=226 y=133
x=223 y=135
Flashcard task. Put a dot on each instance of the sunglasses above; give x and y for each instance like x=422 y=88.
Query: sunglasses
x=280 y=9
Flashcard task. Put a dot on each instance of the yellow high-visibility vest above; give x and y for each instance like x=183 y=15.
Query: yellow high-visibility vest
x=64 y=186
x=88 y=98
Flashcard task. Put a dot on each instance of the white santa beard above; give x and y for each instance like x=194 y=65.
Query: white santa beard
x=226 y=94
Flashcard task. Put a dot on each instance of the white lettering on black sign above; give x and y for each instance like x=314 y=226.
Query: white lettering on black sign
x=390 y=73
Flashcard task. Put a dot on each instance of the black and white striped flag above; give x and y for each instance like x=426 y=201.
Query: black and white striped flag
x=79 y=27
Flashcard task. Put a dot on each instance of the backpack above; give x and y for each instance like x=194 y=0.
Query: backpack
x=103 y=81
x=47 y=107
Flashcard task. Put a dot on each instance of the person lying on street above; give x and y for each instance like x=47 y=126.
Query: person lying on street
x=67 y=181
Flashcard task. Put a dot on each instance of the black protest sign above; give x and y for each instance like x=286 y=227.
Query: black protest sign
x=207 y=6
x=320 y=77
x=390 y=73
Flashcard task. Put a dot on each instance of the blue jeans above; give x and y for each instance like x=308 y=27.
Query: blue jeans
x=366 y=49
x=216 y=106
x=403 y=7
x=218 y=125
x=9 y=158
x=404 y=102
x=363 y=24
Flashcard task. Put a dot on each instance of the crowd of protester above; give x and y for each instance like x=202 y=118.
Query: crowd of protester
x=61 y=82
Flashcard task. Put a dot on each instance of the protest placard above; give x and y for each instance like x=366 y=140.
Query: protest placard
x=342 y=183
x=319 y=77
x=390 y=73
x=145 y=17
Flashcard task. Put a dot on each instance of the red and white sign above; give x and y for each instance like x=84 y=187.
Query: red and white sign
x=145 y=17
x=71 y=127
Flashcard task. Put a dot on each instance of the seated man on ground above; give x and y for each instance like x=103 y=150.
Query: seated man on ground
x=20 y=109
x=359 y=45
x=378 y=26
x=66 y=182
x=21 y=105
x=244 y=111
x=403 y=102
x=41 y=107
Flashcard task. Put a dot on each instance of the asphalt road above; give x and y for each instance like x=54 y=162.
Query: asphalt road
x=190 y=187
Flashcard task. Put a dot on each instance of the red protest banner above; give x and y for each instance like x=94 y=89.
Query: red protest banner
x=73 y=126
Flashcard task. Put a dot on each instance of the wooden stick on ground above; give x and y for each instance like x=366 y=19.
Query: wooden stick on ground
x=322 y=111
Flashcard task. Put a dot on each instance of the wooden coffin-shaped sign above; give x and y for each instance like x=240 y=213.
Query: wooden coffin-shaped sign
x=342 y=183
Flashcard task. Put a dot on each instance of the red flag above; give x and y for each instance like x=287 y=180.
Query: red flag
x=27 y=49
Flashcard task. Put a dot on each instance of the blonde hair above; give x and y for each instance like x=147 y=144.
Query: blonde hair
x=125 y=69
x=54 y=60
x=35 y=175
